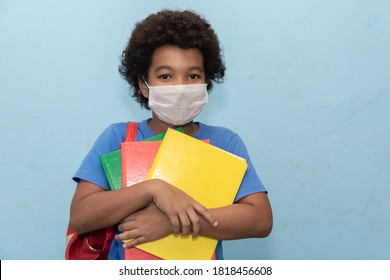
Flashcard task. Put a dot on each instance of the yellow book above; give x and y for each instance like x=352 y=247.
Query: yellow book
x=210 y=175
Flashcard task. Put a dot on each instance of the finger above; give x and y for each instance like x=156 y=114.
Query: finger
x=185 y=224
x=175 y=224
x=128 y=235
x=195 y=222
x=205 y=214
x=129 y=218
x=134 y=242
x=126 y=226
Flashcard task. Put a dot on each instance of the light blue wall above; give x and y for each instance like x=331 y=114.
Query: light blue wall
x=307 y=88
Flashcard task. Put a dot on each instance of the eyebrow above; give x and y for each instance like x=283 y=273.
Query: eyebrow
x=164 y=67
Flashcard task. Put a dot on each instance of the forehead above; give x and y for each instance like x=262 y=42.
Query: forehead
x=176 y=58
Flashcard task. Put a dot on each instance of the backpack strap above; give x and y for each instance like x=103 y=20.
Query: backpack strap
x=131 y=131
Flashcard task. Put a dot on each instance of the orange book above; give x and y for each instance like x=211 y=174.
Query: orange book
x=137 y=158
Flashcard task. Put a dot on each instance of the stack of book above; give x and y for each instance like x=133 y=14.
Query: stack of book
x=208 y=174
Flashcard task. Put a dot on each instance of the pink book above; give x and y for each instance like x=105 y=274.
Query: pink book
x=137 y=158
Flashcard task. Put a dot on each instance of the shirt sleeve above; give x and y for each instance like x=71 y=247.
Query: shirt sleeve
x=91 y=169
x=251 y=182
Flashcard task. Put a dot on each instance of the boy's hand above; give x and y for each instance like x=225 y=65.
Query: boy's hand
x=181 y=209
x=143 y=226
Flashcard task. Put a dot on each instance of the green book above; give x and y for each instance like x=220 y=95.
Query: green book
x=112 y=163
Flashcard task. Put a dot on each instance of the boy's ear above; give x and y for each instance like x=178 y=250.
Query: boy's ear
x=143 y=88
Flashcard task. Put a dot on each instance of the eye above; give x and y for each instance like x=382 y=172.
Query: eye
x=164 y=77
x=194 y=77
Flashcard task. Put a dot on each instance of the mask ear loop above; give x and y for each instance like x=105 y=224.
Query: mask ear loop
x=146 y=83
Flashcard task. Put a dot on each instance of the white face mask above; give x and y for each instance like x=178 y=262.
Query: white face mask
x=178 y=104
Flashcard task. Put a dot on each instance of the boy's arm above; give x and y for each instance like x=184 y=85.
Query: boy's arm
x=94 y=208
x=251 y=216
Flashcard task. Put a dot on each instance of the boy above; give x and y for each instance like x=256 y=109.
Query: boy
x=171 y=62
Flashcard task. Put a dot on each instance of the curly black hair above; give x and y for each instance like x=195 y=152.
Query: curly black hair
x=183 y=29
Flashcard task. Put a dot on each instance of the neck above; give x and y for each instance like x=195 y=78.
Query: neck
x=159 y=127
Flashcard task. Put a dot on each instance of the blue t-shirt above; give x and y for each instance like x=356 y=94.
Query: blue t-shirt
x=110 y=140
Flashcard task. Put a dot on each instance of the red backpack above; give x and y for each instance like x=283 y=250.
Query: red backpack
x=94 y=245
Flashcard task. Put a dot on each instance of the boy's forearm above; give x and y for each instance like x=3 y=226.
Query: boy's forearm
x=240 y=220
x=105 y=208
